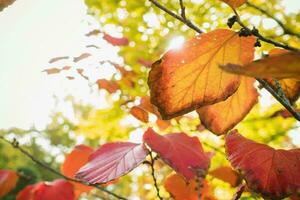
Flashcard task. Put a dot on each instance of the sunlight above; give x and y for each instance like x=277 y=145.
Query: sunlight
x=176 y=43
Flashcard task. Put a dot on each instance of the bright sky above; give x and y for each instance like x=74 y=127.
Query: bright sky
x=32 y=32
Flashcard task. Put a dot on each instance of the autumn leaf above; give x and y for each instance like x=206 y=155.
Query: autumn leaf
x=186 y=79
x=52 y=60
x=163 y=124
x=290 y=87
x=59 y=190
x=226 y=174
x=234 y=3
x=115 y=41
x=26 y=193
x=180 y=151
x=8 y=181
x=110 y=86
x=273 y=173
x=177 y=186
x=93 y=32
x=111 y=161
x=139 y=113
x=284 y=113
x=278 y=66
x=81 y=57
x=5 y=3
x=144 y=62
x=55 y=70
x=73 y=162
x=223 y=116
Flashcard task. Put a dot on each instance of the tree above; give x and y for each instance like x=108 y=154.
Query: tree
x=205 y=133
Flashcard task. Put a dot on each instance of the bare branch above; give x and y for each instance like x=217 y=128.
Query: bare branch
x=280 y=23
x=15 y=144
x=153 y=176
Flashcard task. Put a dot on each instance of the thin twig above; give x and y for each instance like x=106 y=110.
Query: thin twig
x=182 y=9
x=153 y=176
x=265 y=84
x=262 y=38
x=259 y=36
x=239 y=191
x=15 y=144
x=180 y=18
x=286 y=30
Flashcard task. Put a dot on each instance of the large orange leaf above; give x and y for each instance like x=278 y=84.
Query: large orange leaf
x=273 y=173
x=234 y=3
x=111 y=161
x=223 y=116
x=73 y=162
x=290 y=87
x=182 y=152
x=185 y=79
x=177 y=186
x=8 y=181
x=226 y=174
x=280 y=66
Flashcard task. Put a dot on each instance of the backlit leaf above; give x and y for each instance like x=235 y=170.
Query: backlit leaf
x=81 y=57
x=59 y=190
x=226 y=174
x=110 y=86
x=223 y=116
x=8 y=181
x=115 y=41
x=111 y=161
x=234 y=3
x=139 y=113
x=290 y=87
x=26 y=193
x=177 y=186
x=273 y=173
x=185 y=79
x=278 y=66
x=180 y=151
x=73 y=162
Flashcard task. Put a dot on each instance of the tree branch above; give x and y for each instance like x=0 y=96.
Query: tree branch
x=262 y=38
x=153 y=176
x=280 y=23
x=255 y=33
x=15 y=144
x=180 y=18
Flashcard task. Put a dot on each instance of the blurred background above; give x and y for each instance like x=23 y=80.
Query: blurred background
x=70 y=72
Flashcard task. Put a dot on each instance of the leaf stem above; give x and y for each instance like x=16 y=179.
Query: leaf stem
x=15 y=144
x=153 y=176
x=239 y=191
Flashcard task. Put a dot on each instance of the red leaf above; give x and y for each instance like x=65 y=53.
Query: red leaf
x=115 y=41
x=139 y=113
x=144 y=62
x=59 y=190
x=27 y=193
x=73 y=162
x=8 y=181
x=182 y=152
x=111 y=161
x=273 y=173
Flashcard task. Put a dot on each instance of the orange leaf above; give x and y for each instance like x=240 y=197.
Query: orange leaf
x=183 y=80
x=223 y=116
x=8 y=181
x=52 y=60
x=73 y=162
x=234 y=3
x=110 y=86
x=5 y=3
x=226 y=174
x=273 y=173
x=163 y=124
x=182 y=190
x=290 y=87
x=280 y=66
x=115 y=41
x=139 y=113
